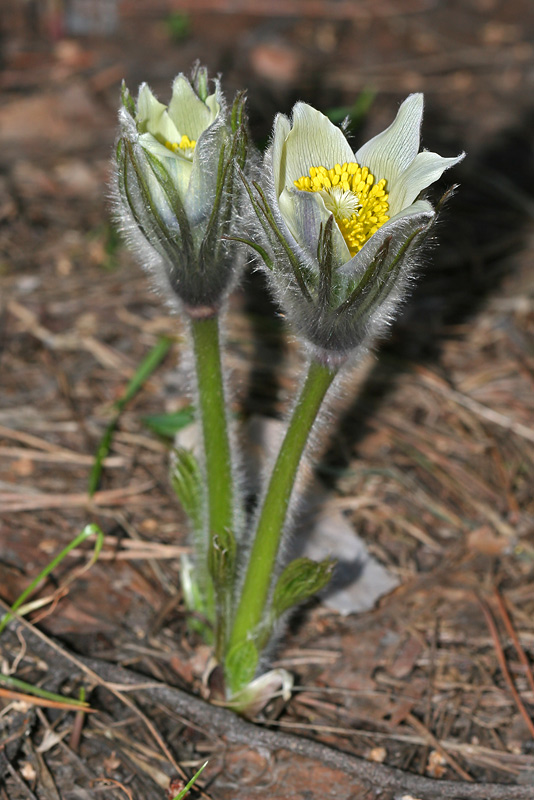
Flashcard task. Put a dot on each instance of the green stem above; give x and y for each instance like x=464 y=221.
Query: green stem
x=219 y=478
x=273 y=514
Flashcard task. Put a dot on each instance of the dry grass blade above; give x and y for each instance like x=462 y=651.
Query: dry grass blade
x=95 y=678
x=515 y=639
x=504 y=666
x=104 y=354
x=431 y=739
x=58 y=456
x=13 y=501
x=236 y=730
x=489 y=414
x=112 y=782
x=39 y=701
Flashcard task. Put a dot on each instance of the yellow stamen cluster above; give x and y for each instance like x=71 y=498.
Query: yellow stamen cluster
x=185 y=143
x=359 y=205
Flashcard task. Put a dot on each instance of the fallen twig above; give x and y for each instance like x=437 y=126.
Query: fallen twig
x=235 y=730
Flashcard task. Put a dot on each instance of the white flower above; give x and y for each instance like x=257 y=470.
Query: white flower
x=316 y=174
x=177 y=192
x=339 y=229
x=171 y=133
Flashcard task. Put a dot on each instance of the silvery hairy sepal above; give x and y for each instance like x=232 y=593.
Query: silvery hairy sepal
x=340 y=232
x=176 y=189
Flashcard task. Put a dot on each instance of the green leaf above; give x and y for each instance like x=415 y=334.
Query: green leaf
x=239 y=129
x=266 y=211
x=368 y=276
x=240 y=665
x=145 y=370
x=197 y=598
x=185 y=790
x=89 y=530
x=186 y=479
x=175 y=201
x=200 y=81
x=142 y=374
x=168 y=425
x=222 y=559
x=28 y=688
x=259 y=250
x=300 y=580
x=127 y=99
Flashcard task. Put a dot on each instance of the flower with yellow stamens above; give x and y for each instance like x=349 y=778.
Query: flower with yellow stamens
x=359 y=204
x=171 y=132
x=338 y=228
x=177 y=191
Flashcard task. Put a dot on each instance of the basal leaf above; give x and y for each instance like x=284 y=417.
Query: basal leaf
x=168 y=425
x=300 y=580
x=186 y=479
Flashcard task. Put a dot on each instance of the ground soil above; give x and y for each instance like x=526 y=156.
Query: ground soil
x=432 y=460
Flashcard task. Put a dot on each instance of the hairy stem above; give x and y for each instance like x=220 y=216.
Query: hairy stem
x=217 y=454
x=271 y=521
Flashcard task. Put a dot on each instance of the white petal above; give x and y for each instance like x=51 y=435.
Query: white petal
x=393 y=150
x=149 y=110
x=424 y=170
x=304 y=213
x=313 y=141
x=149 y=142
x=179 y=168
x=204 y=176
x=399 y=228
x=166 y=129
x=420 y=207
x=213 y=105
x=281 y=130
x=288 y=211
x=188 y=112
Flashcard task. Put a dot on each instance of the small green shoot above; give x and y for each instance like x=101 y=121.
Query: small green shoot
x=89 y=530
x=142 y=374
x=301 y=579
x=28 y=688
x=186 y=479
x=186 y=789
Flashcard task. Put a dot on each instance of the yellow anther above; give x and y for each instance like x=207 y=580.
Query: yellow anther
x=185 y=144
x=360 y=207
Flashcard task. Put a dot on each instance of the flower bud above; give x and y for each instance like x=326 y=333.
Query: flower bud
x=339 y=231
x=176 y=191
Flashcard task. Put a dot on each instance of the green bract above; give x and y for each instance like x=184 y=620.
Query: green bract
x=339 y=228
x=176 y=188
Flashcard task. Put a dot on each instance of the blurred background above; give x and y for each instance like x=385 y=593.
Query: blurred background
x=433 y=463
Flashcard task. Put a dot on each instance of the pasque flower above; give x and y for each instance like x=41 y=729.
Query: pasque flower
x=177 y=197
x=340 y=230
x=176 y=188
